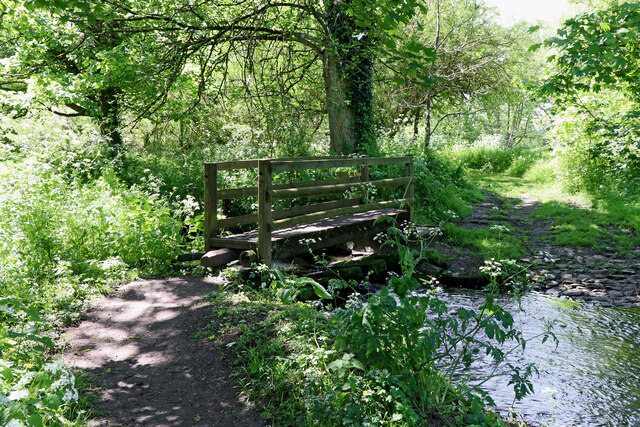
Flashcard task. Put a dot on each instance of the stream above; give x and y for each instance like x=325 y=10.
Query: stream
x=591 y=378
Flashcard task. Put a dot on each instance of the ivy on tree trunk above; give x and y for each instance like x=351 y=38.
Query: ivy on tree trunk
x=349 y=82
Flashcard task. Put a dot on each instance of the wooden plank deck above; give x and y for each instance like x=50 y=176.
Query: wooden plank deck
x=326 y=232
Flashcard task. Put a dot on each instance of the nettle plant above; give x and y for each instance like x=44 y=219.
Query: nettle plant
x=33 y=391
x=412 y=347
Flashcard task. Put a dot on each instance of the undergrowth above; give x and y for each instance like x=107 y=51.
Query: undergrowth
x=389 y=358
x=64 y=239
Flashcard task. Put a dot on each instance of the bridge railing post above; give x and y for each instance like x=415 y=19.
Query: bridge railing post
x=408 y=172
x=265 y=216
x=210 y=202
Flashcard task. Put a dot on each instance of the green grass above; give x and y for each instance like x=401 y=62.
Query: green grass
x=600 y=228
x=513 y=187
x=489 y=243
x=576 y=220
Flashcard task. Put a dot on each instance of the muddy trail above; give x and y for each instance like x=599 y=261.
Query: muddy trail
x=600 y=276
x=145 y=370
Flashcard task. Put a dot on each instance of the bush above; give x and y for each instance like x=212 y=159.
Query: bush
x=491 y=160
x=376 y=361
x=600 y=157
x=62 y=241
x=443 y=191
x=542 y=171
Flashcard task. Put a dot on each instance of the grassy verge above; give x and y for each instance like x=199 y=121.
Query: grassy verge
x=395 y=357
x=608 y=223
x=287 y=361
x=496 y=241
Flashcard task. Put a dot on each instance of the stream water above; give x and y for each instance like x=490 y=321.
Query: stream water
x=591 y=378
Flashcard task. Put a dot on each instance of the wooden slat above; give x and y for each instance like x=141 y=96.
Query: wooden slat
x=294 y=165
x=221 y=242
x=253 y=163
x=410 y=193
x=265 y=221
x=237 y=220
x=237 y=193
x=236 y=164
x=210 y=201
x=315 y=216
x=323 y=190
x=287 y=212
x=334 y=181
x=315 y=207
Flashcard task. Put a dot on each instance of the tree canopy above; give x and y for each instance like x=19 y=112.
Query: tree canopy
x=84 y=58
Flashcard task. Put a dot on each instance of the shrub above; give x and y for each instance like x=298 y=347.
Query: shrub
x=376 y=361
x=64 y=240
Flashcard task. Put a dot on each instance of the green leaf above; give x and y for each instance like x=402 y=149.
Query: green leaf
x=414 y=47
x=33 y=314
x=534 y=47
x=52 y=401
x=35 y=420
x=7 y=373
x=320 y=290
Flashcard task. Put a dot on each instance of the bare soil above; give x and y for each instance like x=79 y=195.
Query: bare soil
x=136 y=350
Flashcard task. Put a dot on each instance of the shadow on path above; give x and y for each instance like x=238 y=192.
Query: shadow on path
x=135 y=348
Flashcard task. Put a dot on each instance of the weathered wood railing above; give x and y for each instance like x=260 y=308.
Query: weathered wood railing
x=270 y=220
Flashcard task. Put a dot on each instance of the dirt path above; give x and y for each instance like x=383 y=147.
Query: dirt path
x=135 y=348
x=584 y=274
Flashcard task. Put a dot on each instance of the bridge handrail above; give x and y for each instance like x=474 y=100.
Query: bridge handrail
x=270 y=220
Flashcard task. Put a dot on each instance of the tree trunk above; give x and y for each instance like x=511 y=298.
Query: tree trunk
x=110 y=119
x=341 y=115
x=427 y=122
x=348 y=74
x=416 y=123
x=429 y=98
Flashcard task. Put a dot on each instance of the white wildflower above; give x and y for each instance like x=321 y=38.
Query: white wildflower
x=500 y=228
x=70 y=395
x=54 y=367
x=18 y=395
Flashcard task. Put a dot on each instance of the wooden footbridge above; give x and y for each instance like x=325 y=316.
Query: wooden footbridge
x=302 y=203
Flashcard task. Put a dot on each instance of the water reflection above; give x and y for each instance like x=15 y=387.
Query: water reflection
x=591 y=378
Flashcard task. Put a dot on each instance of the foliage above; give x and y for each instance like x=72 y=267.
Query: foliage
x=442 y=187
x=388 y=359
x=69 y=230
x=595 y=83
x=490 y=156
x=60 y=236
x=33 y=391
x=597 y=51
x=103 y=60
